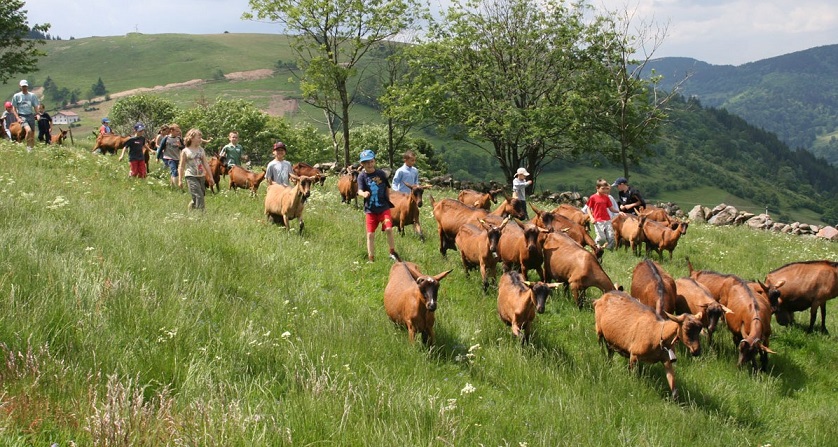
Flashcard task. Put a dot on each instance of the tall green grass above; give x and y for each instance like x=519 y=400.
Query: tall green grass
x=129 y=321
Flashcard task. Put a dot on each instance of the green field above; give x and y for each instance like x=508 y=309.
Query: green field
x=128 y=320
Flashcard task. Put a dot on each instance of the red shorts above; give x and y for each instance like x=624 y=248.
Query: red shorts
x=374 y=219
x=138 y=168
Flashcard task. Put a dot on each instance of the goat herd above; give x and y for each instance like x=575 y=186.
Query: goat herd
x=644 y=324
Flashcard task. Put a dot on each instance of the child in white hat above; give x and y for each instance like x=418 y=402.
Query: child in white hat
x=519 y=188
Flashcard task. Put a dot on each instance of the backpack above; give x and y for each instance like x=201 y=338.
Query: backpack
x=162 y=147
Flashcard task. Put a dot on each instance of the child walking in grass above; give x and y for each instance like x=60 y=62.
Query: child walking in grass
x=194 y=166
x=374 y=187
x=599 y=204
x=136 y=156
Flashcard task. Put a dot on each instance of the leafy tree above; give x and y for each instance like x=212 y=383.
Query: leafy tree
x=511 y=74
x=257 y=131
x=17 y=53
x=332 y=36
x=152 y=111
x=98 y=88
x=635 y=107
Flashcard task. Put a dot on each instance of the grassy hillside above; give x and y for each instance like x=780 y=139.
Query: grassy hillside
x=129 y=321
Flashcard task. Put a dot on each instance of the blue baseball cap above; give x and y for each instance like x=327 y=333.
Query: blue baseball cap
x=367 y=155
x=139 y=126
x=105 y=120
x=619 y=181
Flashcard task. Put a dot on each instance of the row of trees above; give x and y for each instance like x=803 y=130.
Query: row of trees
x=527 y=82
x=258 y=131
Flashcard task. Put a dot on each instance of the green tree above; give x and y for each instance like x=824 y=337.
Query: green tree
x=332 y=36
x=152 y=111
x=216 y=120
x=98 y=88
x=634 y=108
x=510 y=74
x=17 y=53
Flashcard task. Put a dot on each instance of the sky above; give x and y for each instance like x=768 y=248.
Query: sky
x=720 y=32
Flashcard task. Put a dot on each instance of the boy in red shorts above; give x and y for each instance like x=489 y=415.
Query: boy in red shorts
x=374 y=187
x=136 y=157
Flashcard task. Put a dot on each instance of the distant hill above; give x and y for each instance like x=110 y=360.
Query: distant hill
x=793 y=95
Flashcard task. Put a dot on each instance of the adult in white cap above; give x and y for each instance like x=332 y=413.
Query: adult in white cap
x=519 y=188
x=24 y=104
x=630 y=200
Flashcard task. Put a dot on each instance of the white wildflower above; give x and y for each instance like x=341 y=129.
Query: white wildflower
x=286 y=335
x=468 y=389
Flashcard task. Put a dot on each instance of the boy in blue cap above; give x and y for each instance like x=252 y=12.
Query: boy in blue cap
x=629 y=198
x=374 y=187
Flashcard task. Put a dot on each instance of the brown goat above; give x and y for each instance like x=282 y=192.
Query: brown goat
x=559 y=223
x=348 y=186
x=217 y=170
x=694 y=298
x=518 y=302
x=479 y=199
x=451 y=214
x=479 y=248
x=405 y=209
x=660 y=237
x=109 y=143
x=242 y=178
x=284 y=203
x=654 y=287
x=804 y=285
x=574 y=214
x=520 y=245
x=750 y=318
x=59 y=137
x=628 y=231
x=635 y=331
x=304 y=169
x=566 y=261
x=410 y=299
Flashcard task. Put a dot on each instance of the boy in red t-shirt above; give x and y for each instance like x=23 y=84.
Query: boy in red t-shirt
x=599 y=204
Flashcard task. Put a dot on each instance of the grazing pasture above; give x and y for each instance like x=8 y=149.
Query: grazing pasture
x=127 y=320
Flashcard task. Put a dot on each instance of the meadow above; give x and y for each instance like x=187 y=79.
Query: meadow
x=127 y=320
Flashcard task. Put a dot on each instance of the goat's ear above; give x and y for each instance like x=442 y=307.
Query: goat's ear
x=779 y=283
x=765 y=348
x=677 y=319
x=699 y=315
x=294 y=178
x=553 y=285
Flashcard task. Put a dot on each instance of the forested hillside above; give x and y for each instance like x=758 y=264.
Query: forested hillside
x=793 y=95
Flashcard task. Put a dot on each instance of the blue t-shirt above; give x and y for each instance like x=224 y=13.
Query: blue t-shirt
x=405 y=174
x=378 y=186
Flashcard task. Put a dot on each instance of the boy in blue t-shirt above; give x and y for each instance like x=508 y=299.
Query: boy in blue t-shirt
x=374 y=187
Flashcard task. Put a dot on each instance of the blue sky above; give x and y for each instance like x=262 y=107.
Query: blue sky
x=715 y=31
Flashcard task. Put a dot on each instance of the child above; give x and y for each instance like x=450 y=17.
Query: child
x=194 y=166
x=136 y=157
x=170 y=149
x=232 y=151
x=8 y=118
x=407 y=175
x=374 y=188
x=44 y=125
x=599 y=205
x=519 y=188
x=279 y=169
x=158 y=140
x=105 y=128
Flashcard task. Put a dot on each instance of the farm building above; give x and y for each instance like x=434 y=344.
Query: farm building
x=65 y=117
